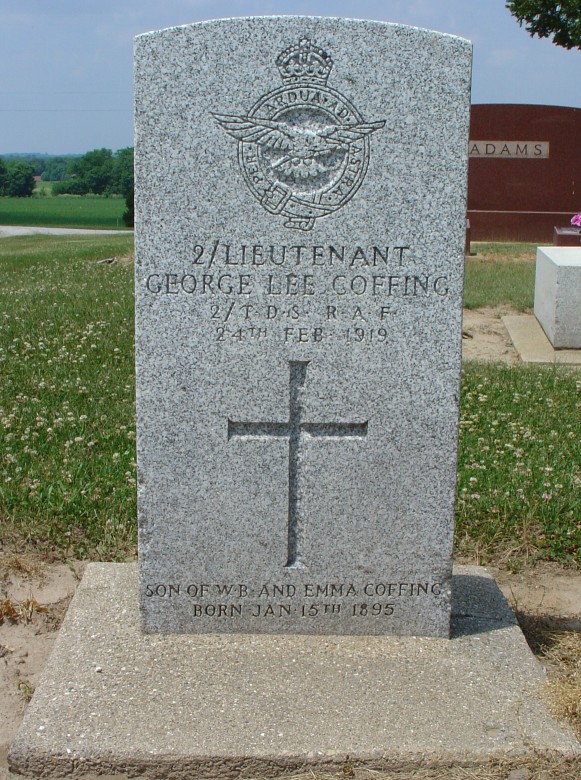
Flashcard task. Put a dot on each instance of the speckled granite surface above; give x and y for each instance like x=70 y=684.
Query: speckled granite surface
x=300 y=196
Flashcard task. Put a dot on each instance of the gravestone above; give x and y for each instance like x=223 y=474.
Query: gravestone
x=299 y=268
x=524 y=163
x=567 y=236
x=558 y=295
x=300 y=228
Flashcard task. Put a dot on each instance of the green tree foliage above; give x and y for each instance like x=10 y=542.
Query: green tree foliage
x=124 y=171
x=16 y=179
x=546 y=18
x=99 y=172
x=95 y=169
x=129 y=213
x=36 y=160
x=50 y=167
x=55 y=168
x=3 y=176
x=20 y=180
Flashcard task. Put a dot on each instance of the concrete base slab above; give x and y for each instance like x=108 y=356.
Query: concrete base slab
x=113 y=701
x=533 y=346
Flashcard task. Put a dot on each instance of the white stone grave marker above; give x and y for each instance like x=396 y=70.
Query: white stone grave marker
x=300 y=213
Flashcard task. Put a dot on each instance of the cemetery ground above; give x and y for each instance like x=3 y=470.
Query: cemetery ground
x=67 y=474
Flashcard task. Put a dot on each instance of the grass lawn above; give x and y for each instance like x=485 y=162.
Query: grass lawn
x=88 y=211
x=67 y=426
x=519 y=470
x=500 y=274
x=67 y=480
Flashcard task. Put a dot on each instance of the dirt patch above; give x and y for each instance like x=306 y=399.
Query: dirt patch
x=34 y=597
x=484 y=336
x=546 y=589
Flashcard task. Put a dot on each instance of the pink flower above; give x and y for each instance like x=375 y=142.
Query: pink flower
x=576 y=220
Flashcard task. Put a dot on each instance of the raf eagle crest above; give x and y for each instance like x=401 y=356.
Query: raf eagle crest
x=303 y=148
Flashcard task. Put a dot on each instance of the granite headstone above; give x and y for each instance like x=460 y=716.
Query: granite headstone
x=300 y=221
x=557 y=303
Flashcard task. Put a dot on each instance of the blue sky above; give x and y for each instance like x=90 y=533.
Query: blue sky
x=67 y=64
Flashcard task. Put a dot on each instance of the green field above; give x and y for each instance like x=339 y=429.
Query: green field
x=67 y=419
x=88 y=211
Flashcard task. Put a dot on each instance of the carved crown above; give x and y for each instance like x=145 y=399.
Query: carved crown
x=304 y=62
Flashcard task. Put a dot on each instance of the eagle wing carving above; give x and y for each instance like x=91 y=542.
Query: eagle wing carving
x=306 y=150
x=283 y=136
x=343 y=135
x=256 y=131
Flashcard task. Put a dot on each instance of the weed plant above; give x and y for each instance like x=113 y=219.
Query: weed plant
x=67 y=421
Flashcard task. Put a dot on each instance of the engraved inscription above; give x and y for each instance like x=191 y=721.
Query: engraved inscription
x=282 y=294
x=224 y=254
x=510 y=150
x=295 y=430
x=369 y=601
x=303 y=148
x=295 y=285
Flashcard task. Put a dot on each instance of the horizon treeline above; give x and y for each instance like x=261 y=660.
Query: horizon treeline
x=97 y=172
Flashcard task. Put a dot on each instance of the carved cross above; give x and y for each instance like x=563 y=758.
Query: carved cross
x=295 y=429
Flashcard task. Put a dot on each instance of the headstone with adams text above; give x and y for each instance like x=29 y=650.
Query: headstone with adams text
x=301 y=203
x=524 y=165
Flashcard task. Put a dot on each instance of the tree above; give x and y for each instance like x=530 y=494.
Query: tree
x=3 y=177
x=129 y=213
x=55 y=168
x=544 y=18
x=99 y=172
x=124 y=171
x=95 y=169
x=19 y=180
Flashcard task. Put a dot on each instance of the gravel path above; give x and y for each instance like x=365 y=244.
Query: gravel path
x=18 y=230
